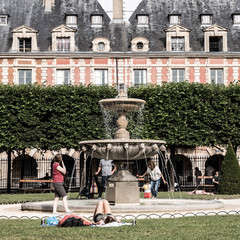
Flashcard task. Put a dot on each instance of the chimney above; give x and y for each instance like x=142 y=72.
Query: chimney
x=48 y=5
x=117 y=11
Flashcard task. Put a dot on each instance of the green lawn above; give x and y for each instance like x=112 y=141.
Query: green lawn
x=189 y=228
x=16 y=198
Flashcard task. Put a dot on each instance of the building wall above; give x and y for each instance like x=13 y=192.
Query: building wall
x=82 y=69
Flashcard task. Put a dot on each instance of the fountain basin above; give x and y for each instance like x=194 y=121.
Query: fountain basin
x=122 y=104
x=123 y=149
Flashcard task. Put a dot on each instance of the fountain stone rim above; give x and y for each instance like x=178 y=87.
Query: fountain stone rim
x=131 y=141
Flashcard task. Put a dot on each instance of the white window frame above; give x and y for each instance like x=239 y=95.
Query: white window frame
x=64 y=41
x=142 y=20
x=236 y=19
x=142 y=77
x=3 y=19
x=71 y=20
x=63 y=77
x=100 y=76
x=206 y=20
x=179 y=77
x=25 y=71
x=214 y=74
x=174 y=19
x=178 y=41
x=96 y=20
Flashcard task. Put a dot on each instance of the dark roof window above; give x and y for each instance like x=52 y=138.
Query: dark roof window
x=3 y=19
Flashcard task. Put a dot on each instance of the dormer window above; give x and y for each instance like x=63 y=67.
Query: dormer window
x=63 y=39
x=97 y=20
x=71 y=20
x=142 y=20
x=140 y=44
x=101 y=45
x=236 y=19
x=177 y=39
x=25 y=44
x=206 y=19
x=24 y=39
x=174 y=19
x=215 y=39
x=3 y=19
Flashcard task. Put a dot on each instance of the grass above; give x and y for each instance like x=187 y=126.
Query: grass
x=31 y=197
x=194 y=228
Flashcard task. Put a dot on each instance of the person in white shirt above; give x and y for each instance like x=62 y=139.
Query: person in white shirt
x=155 y=175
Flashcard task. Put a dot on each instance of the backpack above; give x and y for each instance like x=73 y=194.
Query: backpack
x=73 y=221
x=49 y=221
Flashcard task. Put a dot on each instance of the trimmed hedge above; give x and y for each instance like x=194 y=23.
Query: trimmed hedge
x=182 y=114
x=50 y=117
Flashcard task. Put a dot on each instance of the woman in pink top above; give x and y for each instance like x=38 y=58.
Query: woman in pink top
x=58 y=172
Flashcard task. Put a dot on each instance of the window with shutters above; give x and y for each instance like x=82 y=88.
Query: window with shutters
x=178 y=44
x=216 y=76
x=63 y=44
x=140 y=77
x=63 y=77
x=101 y=77
x=178 y=75
x=24 y=76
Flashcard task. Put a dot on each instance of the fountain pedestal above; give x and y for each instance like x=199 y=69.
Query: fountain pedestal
x=123 y=188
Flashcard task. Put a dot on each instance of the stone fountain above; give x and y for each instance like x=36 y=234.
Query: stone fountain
x=122 y=187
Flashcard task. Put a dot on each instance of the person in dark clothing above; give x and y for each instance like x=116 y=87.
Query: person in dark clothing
x=216 y=181
x=198 y=173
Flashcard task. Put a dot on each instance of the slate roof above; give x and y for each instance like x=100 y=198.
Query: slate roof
x=190 y=10
x=31 y=13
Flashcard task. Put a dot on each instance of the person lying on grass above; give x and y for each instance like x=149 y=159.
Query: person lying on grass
x=102 y=215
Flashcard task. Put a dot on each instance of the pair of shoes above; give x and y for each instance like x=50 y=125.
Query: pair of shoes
x=68 y=211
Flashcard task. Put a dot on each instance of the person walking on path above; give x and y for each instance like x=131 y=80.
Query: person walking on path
x=108 y=168
x=58 y=172
x=155 y=175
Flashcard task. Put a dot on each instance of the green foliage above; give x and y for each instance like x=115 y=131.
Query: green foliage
x=186 y=114
x=50 y=117
x=229 y=182
x=182 y=114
